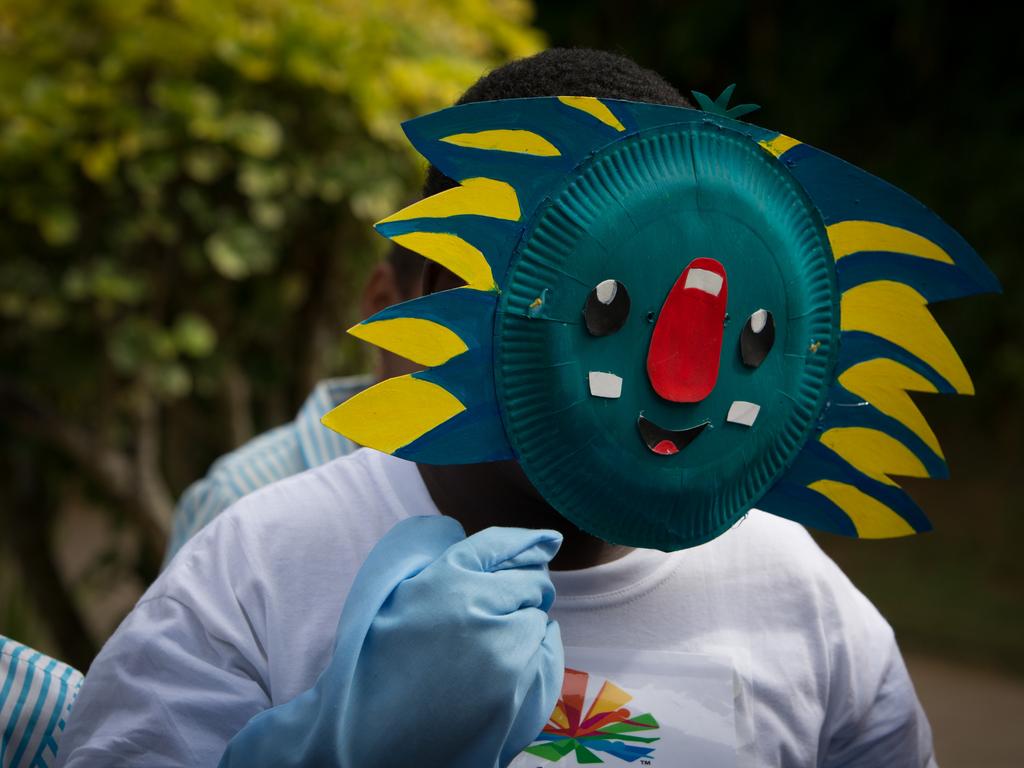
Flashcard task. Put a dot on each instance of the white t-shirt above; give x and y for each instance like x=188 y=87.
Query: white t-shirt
x=245 y=616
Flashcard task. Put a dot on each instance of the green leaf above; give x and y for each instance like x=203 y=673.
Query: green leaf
x=720 y=106
x=257 y=134
x=173 y=381
x=45 y=314
x=58 y=226
x=267 y=215
x=239 y=251
x=108 y=283
x=704 y=101
x=257 y=179
x=100 y=161
x=204 y=164
x=194 y=335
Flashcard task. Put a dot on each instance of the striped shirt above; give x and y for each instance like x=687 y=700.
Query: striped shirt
x=36 y=693
x=284 y=451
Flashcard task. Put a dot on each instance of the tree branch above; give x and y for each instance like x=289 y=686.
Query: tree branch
x=237 y=394
x=150 y=489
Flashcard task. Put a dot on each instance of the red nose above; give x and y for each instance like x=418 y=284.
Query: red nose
x=682 y=362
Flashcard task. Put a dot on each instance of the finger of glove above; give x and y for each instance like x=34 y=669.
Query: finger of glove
x=403 y=552
x=499 y=548
x=507 y=591
x=449 y=596
x=541 y=696
x=507 y=647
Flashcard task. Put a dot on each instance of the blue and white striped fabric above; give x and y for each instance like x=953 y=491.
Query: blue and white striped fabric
x=274 y=455
x=36 y=693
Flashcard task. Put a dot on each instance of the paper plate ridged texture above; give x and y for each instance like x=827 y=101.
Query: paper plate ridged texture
x=639 y=212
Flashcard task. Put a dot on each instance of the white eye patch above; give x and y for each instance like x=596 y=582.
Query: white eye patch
x=742 y=412
x=758 y=320
x=704 y=280
x=605 y=384
x=606 y=290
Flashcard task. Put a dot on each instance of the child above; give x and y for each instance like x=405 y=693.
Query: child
x=246 y=619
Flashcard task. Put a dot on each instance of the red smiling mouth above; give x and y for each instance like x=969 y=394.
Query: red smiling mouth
x=667 y=442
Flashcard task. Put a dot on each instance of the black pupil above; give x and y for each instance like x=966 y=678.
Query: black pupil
x=756 y=344
x=607 y=308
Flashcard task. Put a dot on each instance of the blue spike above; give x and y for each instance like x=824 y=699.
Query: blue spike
x=468 y=438
x=575 y=133
x=845 y=409
x=843 y=192
x=467 y=312
x=720 y=106
x=934 y=280
x=495 y=238
x=742 y=109
x=802 y=505
x=475 y=435
x=857 y=346
x=816 y=462
x=705 y=102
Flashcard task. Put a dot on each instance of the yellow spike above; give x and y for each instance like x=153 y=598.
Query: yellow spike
x=608 y=699
x=779 y=145
x=505 y=140
x=896 y=312
x=874 y=453
x=454 y=253
x=393 y=413
x=849 y=237
x=414 y=338
x=882 y=382
x=594 y=107
x=477 y=197
x=871 y=518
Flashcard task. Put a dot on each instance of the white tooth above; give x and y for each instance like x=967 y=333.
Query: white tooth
x=758 y=320
x=605 y=384
x=606 y=291
x=742 y=412
x=703 y=280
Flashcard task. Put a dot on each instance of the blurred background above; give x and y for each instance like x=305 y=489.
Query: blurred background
x=186 y=193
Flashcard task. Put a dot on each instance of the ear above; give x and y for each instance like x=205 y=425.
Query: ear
x=381 y=290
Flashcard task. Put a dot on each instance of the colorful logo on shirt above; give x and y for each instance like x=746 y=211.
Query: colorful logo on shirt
x=608 y=725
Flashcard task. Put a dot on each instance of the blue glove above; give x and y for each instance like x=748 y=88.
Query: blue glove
x=444 y=656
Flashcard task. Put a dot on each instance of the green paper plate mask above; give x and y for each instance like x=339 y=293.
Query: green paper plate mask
x=669 y=317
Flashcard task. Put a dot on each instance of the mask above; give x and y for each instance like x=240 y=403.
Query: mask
x=670 y=316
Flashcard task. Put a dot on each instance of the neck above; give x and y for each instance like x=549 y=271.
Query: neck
x=498 y=493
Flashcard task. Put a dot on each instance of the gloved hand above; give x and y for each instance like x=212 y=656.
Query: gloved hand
x=444 y=656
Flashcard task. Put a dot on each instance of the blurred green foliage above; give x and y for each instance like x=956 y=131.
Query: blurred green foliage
x=185 y=208
x=163 y=160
